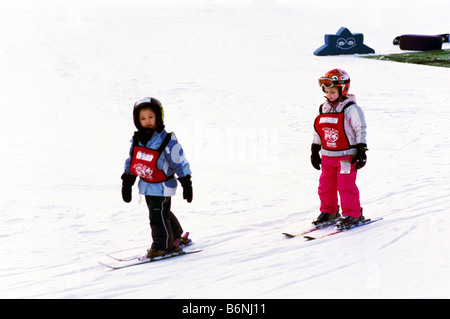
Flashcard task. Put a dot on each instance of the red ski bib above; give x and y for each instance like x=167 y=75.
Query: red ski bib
x=143 y=163
x=330 y=127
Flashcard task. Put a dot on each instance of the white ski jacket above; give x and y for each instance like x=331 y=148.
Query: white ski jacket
x=354 y=126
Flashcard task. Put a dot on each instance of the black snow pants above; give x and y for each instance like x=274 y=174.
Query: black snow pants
x=163 y=223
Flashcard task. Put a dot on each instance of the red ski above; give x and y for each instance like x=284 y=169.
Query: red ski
x=363 y=223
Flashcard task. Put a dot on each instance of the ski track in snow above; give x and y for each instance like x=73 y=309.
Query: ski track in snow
x=238 y=81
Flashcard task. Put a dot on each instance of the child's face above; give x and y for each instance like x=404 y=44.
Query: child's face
x=332 y=93
x=147 y=118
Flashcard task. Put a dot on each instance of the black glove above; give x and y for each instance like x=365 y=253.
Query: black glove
x=128 y=182
x=187 y=187
x=315 y=156
x=360 y=157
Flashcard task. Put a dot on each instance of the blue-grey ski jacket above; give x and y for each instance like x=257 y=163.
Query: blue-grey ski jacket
x=171 y=161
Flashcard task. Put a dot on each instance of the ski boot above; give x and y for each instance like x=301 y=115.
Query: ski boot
x=347 y=222
x=155 y=253
x=183 y=241
x=326 y=217
x=177 y=247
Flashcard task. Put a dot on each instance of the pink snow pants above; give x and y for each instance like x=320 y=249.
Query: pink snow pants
x=332 y=181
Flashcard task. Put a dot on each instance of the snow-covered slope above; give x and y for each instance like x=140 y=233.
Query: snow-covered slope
x=238 y=81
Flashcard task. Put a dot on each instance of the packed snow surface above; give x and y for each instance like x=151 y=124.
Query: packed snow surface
x=238 y=82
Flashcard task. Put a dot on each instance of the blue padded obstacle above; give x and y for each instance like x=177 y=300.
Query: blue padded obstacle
x=343 y=42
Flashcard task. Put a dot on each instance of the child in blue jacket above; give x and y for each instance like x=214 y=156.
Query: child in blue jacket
x=156 y=156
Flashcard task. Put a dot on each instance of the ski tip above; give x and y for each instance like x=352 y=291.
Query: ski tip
x=148 y=260
x=308 y=238
x=106 y=265
x=288 y=235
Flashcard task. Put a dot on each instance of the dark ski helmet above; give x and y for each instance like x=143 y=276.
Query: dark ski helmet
x=153 y=104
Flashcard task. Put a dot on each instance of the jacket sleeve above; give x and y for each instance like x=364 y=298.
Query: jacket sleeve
x=358 y=123
x=175 y=156
x=128 y=160
x=316 y=138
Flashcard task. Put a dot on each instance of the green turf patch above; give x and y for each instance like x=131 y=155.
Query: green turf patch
x=433 y=58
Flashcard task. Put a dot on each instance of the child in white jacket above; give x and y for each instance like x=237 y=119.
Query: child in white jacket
x=340 y=135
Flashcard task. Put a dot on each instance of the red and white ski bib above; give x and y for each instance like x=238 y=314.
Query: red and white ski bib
x=144 y=160
x=330 y=127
